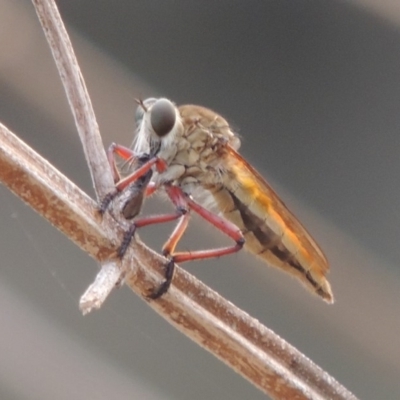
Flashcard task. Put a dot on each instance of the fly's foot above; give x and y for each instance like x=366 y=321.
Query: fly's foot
x=126 y=241
x=163 y=288
x=108 y=198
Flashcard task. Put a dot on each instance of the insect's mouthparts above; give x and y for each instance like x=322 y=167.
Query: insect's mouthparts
x=155 y=147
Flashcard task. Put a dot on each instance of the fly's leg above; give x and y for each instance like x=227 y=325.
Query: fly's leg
x=167 y=250
x=145 y=161
x=177 y=196
x=123 y=152
x=180 y=212
x=126 y=154
x=138 y=184
x=145 y=221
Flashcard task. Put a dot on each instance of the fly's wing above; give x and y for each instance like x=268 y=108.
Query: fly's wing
x=271 y=231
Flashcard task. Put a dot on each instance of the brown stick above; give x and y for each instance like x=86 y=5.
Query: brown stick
x=77 y=94
x=85 y=120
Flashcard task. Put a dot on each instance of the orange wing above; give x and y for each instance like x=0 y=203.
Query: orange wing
x=271 y=231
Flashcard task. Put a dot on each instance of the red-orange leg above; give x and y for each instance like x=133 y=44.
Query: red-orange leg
x=150 y=189
x=177 y=196
x=158 y=162
x=181 y=200
x=176 y=235
x=120 y=184
x=127 y=154
x=111 y=151
x=145 y=221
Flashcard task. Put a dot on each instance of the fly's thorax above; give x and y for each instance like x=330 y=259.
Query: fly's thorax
x=199 y=160
x=205 y=128
x=194 y=164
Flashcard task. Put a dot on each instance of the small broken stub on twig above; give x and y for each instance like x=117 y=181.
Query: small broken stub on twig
x=109 y=276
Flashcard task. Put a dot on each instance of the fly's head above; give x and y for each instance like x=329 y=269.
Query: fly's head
x=158 y=128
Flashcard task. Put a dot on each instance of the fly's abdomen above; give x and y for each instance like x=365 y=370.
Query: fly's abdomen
x=269 y=237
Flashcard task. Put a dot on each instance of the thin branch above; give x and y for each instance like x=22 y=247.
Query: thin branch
x=240 y=341
x=77 y=95
x=88 y=129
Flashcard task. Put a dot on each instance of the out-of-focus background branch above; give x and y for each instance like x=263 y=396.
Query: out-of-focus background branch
x=313 y=87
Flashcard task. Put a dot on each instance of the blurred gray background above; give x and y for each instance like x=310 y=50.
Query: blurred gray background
x=313 y=87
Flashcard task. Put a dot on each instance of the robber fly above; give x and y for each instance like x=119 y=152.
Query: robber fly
x=194 y=158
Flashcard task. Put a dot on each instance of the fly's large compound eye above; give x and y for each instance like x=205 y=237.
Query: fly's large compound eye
x=163 y=117
x=142 y=108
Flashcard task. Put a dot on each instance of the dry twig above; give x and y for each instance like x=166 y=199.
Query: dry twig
x=88 y=129
x=240 y=341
